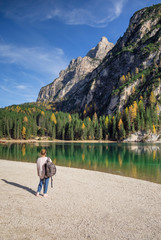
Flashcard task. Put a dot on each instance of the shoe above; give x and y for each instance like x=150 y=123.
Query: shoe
x=37 y=194
x=45 y=195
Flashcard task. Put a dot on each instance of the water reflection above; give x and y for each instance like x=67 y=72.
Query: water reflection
x=134 y=160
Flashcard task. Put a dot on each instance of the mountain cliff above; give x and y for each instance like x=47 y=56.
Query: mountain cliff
x=109 y=78
x=76 y=71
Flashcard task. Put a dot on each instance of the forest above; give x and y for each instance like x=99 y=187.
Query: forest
x=37 y=120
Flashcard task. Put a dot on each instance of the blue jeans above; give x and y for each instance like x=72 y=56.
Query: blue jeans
x=44 y=182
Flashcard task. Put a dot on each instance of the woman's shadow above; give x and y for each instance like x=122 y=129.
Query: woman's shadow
x=19 y=186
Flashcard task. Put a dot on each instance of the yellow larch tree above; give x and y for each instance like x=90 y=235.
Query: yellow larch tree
x=133 y=111
x=136 y=70
x=23 y=132
x=122 y=79
x=69 y=118
x=53 y=118
x=42 y=113
x=133 y=90
x=152 y=98
x=154 y=129
x=120 y=124
x=18 y=109
x=25 y=119
x=106 y=121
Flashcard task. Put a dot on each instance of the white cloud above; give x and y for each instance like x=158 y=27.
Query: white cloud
x=36 y=59
x=95 y=13
x=117 y=9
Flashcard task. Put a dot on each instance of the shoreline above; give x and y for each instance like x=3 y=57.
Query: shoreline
x=3 y=141
x=54 y=141
x=83 y=205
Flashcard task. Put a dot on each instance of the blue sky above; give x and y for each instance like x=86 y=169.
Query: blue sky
x=38 y=38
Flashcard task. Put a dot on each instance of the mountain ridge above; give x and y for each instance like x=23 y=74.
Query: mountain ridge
x=77 y=69
x=101 y=89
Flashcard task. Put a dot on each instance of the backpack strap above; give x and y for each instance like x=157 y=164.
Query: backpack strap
x=51 y=182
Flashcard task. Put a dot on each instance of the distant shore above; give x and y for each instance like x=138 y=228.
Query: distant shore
x=55 y=140
x=83 y=205
x=3 y=141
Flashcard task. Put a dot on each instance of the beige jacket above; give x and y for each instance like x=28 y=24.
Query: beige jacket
x=41 y=166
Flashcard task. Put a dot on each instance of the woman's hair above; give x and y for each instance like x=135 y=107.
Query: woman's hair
x=43 y=151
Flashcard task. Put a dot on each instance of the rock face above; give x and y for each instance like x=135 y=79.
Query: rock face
x=108 y=80
x=100 y=51
x=78 y=69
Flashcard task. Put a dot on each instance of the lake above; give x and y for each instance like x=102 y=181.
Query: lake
x=142 y=161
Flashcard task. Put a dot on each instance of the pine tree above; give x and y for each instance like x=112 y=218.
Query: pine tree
x=28 y=132
x=113 y=127
x=91 y=133
x=18 y=135
x=34 y=127
x=106 y=124
x=138 y=123
x=141 y=106
x=63 y=133
x=142 y=122
x=100 y=133
x=53 y=132
x=71 y=133
x=15 y=130
x=1 y=129
x=133 y=127
x=7 y=129
x=148 y=120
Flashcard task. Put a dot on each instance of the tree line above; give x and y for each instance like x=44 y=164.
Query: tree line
x=32 y=120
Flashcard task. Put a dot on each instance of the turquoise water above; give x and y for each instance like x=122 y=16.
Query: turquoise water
x=142 y=161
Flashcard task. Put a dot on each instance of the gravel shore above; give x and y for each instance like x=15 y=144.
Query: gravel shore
x=82 y=205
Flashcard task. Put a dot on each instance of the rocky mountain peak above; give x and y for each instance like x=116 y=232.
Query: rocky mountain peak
x=77 y=70
x=101 y=49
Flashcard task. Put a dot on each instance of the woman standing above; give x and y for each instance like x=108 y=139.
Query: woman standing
x=41 y=173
